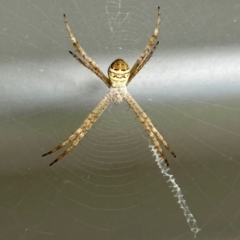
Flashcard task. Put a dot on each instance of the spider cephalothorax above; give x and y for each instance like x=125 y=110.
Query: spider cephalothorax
x=119 y=73
x=119 y=77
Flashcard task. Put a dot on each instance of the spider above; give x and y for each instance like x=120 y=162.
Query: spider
x=119 y=76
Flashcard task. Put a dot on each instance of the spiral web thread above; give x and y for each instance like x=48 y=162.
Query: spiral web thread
x=178 y=193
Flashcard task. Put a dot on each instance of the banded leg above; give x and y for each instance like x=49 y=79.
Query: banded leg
x=77 y=136
x=150 y=44
x=146 y=59
x=94 y=70
x=153 y=132
x=154 y=139
x=90 y=64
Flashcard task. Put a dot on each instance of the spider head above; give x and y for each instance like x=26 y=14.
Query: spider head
x=118 y=73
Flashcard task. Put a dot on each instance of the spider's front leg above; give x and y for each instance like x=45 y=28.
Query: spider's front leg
x=85 y=60
x=148 y=51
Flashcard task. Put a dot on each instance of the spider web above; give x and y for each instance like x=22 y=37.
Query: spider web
x=110 y=186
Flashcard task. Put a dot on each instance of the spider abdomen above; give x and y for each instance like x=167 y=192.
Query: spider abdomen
x=119 y=73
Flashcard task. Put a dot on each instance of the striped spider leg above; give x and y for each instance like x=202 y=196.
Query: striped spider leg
x=119 y=76
x=77 y=136
x=147 y=123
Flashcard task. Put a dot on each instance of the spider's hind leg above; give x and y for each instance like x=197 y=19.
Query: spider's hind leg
x=68 y=140
x=77 y=136
x=152 y=131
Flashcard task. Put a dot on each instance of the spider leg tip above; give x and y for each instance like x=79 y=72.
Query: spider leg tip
x=52 y=163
